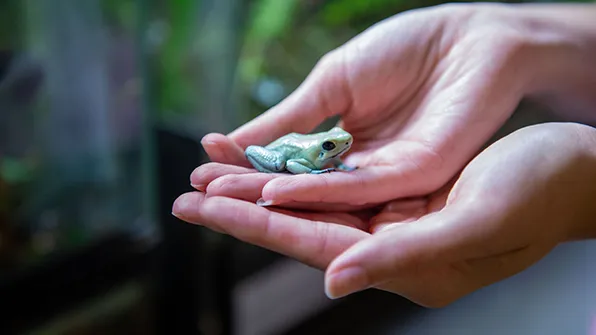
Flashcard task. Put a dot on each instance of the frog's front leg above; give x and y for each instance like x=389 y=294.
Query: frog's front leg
x=301 y=165
x=265 y=160
x=342 y=167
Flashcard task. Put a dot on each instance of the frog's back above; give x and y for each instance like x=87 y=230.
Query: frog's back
x=291 y=140
x=292 y=143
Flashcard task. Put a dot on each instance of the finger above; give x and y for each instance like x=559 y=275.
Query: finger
x=406 y=204
x=439 y=238
x=325 y=207
x=203 y=175
x=367 y=185
x=248 y=187
x=345 y=219
x=222 y=149
x=323 y=94
x=398 y=212
x=386 y=220
x=314 y=243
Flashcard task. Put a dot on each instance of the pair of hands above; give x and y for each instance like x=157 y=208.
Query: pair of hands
x=421 y=93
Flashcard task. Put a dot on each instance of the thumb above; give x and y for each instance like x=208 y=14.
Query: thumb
x=323 y=94
x=438 y=238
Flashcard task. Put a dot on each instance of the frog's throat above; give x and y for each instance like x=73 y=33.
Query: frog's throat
x=340 y=153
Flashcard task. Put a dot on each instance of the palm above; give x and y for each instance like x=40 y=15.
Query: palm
x=419 y=107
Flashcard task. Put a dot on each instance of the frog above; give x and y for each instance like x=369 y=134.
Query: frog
x=297 y=153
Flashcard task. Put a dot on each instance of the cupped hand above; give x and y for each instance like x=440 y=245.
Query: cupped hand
x=421 y=92
x=508 y=208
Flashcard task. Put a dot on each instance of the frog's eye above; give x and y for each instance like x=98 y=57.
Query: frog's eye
x=328 y=145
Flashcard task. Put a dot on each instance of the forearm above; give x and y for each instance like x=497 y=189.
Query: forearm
x=561 y=53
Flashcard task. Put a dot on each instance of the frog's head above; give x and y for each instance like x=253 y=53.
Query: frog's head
x=334 y=143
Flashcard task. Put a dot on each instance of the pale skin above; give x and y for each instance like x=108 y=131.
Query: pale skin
x=421 y=93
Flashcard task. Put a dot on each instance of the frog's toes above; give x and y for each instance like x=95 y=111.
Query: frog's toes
x=322 y=171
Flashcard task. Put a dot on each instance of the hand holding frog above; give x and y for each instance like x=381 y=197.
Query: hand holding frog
x=507 y=209
x=420 y=92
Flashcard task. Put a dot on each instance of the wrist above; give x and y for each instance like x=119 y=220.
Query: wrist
x=559 y=53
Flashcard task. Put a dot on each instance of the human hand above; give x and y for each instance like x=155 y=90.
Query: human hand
x=420 y=92
x=507 y=209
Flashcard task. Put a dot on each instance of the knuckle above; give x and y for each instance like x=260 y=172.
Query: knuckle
x=330 y=60
x=432 y=160
x=223 y=183
x=322 y=235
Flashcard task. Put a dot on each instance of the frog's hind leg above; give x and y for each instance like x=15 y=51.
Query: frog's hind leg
x=300 y=166
x=265 y=160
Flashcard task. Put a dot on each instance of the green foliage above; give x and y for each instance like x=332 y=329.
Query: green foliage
x=270 y=19
x=175 y=86
x=342 y=12
x=14 y=171
x=362 y=14
x=124 y=12
x=11 y=19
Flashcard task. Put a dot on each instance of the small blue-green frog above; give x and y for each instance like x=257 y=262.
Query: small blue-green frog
x=300 y=153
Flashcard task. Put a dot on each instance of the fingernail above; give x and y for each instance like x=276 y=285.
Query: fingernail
x=206 y=141
x=181 y=205
x=179 y=216
x=346 y=281
x=200 y=187
x=264 y=203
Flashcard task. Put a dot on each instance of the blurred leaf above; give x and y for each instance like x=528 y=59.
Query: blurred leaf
x=270 y=19
x=174 y=85
x=123 y=11
x=362 y=14
x=14 y=171
x=10 y=24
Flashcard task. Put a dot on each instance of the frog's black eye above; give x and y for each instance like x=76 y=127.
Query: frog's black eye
x=328 y=146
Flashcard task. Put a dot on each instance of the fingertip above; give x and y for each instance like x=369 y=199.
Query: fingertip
x=228 y=185
x=201 y=176
x=285 y=188
x=335 y=187
x=386 y=220
x=220 y=148
x=213 y=139
x=186 y=204
x=270 y=190
x=204 y=175
x=366 y=263
x=342 y=282
x=199 y=187
x=265 y=203
x=378 y=227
